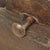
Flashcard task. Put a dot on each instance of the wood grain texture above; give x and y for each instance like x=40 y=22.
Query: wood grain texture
x=8 y=41
x=38 y=8
x=2 y=3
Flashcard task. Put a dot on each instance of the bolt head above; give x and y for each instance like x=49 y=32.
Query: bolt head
x=18 y=30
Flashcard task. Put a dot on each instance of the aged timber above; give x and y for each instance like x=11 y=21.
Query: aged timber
x=2 y=3
x=38 y=37
x=38 y=8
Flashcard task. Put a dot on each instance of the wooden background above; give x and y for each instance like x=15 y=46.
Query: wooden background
x=8 y=41
x=38 y=8
x=2 y=3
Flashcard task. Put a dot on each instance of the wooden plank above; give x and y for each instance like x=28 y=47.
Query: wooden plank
x=38 y=8
x=2 y=3
x=8 y=41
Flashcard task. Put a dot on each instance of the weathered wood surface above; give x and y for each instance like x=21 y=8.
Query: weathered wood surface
x=2 y=3
x=8 y=41
x=38 y=8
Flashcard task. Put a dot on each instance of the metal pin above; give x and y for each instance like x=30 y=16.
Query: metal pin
x=20 y=30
